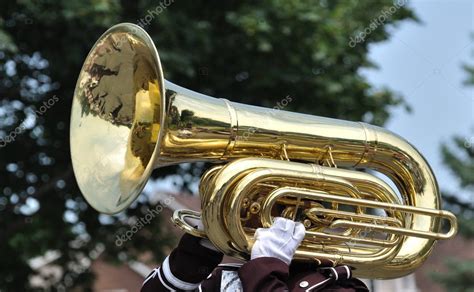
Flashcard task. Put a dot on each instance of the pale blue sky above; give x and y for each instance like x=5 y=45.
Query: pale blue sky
x=422 y=61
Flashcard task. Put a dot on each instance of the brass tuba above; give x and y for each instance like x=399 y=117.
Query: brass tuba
x=127 y=120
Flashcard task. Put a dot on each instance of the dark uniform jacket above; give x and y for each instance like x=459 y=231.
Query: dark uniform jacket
x=193 y=267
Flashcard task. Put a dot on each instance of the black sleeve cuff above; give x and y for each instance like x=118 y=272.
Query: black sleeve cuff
x=191 y=262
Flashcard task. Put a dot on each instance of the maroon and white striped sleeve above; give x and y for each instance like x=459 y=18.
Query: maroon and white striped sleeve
x=185 y=268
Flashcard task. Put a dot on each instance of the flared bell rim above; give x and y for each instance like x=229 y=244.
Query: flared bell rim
x=105 y=199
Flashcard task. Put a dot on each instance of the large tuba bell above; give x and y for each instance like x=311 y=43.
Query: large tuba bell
x=127 y=120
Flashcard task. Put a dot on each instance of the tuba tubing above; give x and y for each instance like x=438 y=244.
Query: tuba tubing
x=217 y=213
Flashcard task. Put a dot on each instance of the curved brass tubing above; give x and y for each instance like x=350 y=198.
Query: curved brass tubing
x=179 y=219
x=237 y=179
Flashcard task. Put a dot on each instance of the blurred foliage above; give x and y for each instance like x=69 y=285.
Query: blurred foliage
x=246 y=51
x=459 y=158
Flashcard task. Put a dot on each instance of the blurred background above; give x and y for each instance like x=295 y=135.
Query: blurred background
x=404 y=65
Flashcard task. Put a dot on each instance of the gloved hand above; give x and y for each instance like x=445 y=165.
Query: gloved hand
x=197 y=223
x=279 y=241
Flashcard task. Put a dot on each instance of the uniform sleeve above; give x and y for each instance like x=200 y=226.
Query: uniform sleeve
x=185 y=268
x=308 y=276
x=264 y=274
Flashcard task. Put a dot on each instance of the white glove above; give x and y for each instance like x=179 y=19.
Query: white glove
x=279 y=241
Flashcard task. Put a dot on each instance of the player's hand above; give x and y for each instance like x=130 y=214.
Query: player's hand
x=279 y=241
